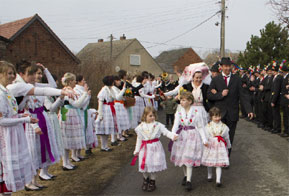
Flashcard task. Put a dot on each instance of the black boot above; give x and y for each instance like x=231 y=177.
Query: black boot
x=152 y=186
x=189 y=186
x=145 y=184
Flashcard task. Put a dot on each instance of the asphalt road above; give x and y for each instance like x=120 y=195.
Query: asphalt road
x=259 y=166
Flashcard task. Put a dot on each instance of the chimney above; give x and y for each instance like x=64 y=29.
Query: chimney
x=123 y=37
x=100 y=40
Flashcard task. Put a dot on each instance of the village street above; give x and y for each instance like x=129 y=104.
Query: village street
x=259 y=166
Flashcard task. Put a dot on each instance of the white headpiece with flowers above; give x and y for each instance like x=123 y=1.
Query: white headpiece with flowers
x=191 y=69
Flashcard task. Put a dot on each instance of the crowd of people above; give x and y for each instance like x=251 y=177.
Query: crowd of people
x=40 y=124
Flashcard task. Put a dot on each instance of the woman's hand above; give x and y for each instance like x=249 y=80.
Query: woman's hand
x=38 y=131
x=136 y=153
x=34 y=120
x=175 y=138
x=206 y=144
x=41 y=65
x=68 y=93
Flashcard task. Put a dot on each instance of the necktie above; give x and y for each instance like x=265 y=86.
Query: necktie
x=226 y=81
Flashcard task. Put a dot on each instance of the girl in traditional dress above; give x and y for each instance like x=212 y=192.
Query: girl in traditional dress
x=106 y=123
x=90 y=138
x=140 y=97
x=121 y=112
x=71 y=123
x=149 y=149
x=216 y=151
x=16 y=168
x=187 y=151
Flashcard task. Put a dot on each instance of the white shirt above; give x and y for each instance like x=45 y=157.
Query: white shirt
x=228 y=77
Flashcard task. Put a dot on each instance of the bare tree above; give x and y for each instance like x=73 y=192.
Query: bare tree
x=281 y=8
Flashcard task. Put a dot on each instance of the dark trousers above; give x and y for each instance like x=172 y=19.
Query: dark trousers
x=268 y=115
x=170 y=117
x=232 y=127
x=276 y=118
x=285 y=110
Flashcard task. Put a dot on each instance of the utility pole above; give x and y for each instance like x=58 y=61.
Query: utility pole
x=111 y=38
x=223 y=17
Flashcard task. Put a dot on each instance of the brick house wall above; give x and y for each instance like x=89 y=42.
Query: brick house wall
x=37 y=44
x=188 y=58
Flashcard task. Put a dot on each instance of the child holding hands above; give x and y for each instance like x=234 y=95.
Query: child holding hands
x=216 y=152
x=149 y=149
x=189 y=124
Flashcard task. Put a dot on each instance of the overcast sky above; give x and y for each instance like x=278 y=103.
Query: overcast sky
x=152 y=22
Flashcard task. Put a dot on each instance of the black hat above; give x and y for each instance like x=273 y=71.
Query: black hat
x=226 y=61
x=269 y=68
x=215 y=67
x=284 y=67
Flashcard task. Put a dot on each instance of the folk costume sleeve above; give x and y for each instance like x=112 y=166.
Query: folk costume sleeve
x=166 y=132
x=176 y=122
x=78 y=103
x=50 y=79
x=226 y=136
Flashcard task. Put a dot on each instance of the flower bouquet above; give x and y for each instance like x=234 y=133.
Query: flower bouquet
x=129 y=99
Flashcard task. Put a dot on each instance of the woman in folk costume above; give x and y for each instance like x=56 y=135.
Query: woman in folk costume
x=128 y=80
x=140 y=97
x=189 y=124
x=44 y=149
x=24 y=92
x=121 y=112
x=195 y=79
x=52 y=105
x=216 y=153
x=149 y=149
x=106 y=123
x=71 y=123
x=16 y=168
x=90 y=138
x=155 y=85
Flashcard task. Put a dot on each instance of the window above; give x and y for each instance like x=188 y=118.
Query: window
x=134 y=59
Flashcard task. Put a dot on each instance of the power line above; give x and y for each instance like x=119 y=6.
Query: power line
x=176 y=37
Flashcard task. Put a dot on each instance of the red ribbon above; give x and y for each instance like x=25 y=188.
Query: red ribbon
x=143 y=144
x=220 y=138
x=111 y=104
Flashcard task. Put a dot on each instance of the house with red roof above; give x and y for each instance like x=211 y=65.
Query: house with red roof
x=32 y=39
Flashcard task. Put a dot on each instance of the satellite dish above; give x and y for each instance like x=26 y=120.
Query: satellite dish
x=117 y=68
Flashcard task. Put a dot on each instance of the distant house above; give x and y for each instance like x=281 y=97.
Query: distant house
x=33 y=40
x=3 y=46
x=176 y=60
x=107 y=58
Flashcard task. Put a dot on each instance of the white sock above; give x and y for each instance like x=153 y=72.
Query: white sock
x=78 y=153
x=218 y=174
x=153 y=176
x=102 y=140
x=145 y=175
x=65 y=158
x=185 y=170
x=112 y=137
x=189 y=173
x=74 y=154
x=210 y=172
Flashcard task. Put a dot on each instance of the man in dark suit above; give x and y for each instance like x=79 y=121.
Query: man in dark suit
x=284 y=101
x=267 y=94
x=225 y=91
x=275 y=99
x=245 y=89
